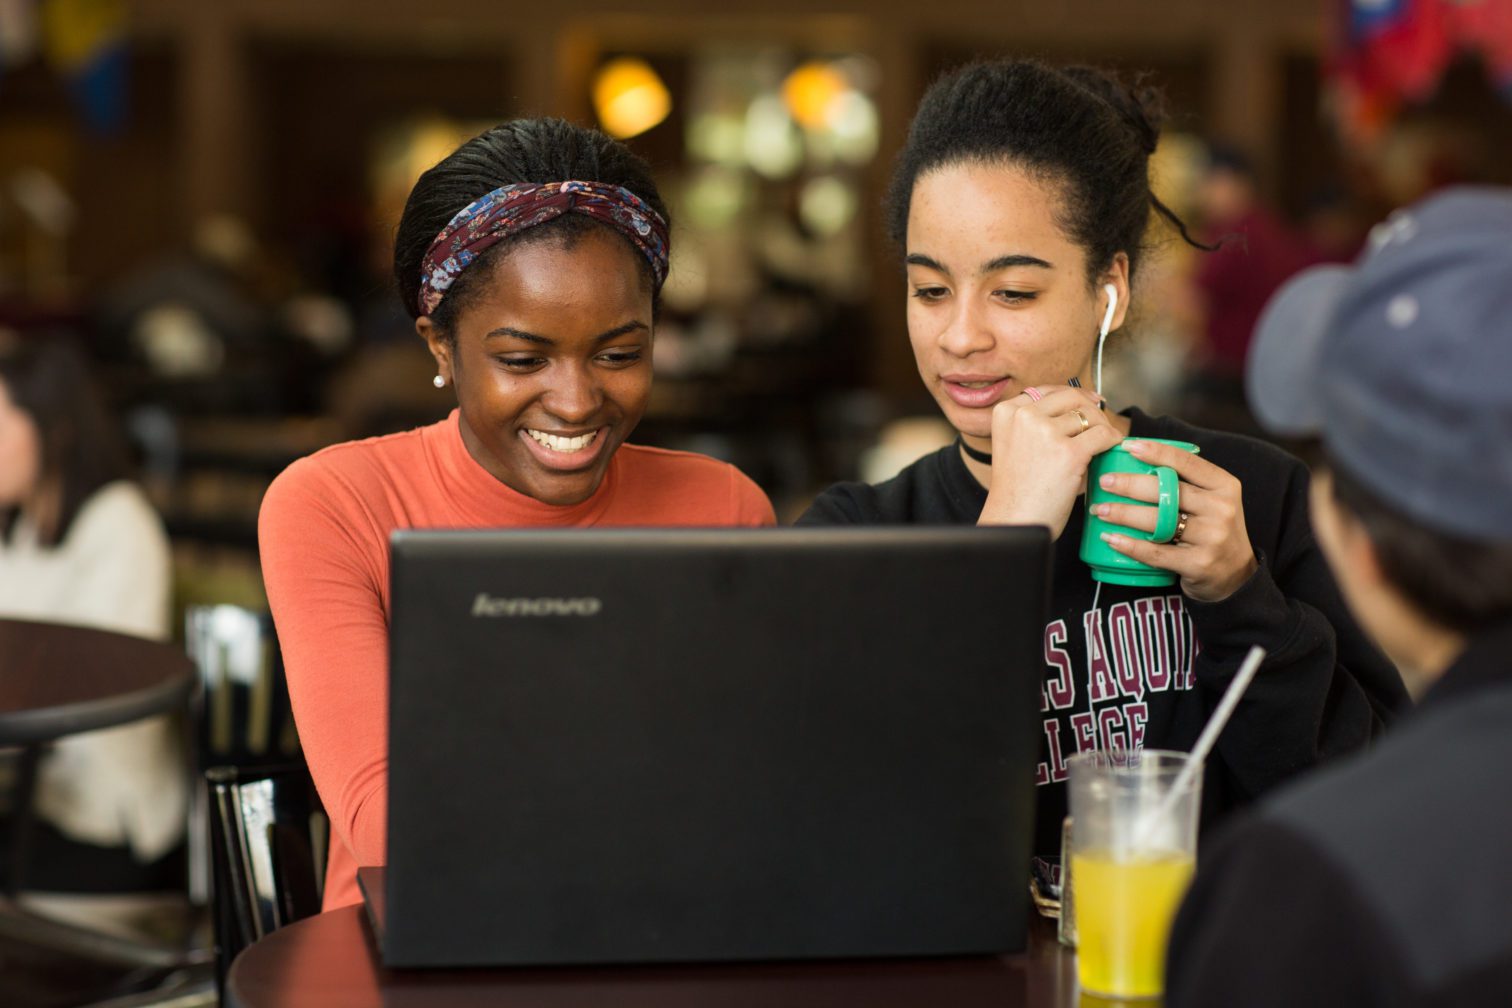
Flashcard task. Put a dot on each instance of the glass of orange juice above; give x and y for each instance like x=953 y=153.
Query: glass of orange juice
x=1133 y=849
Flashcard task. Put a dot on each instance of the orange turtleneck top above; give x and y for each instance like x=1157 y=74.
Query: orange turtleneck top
x=323 y=533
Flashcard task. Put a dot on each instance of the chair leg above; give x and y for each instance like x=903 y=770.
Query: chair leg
x=193 y=988
x=25 y=927
x=23 y=817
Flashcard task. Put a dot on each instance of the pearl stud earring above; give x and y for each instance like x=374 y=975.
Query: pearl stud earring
x=438 y=381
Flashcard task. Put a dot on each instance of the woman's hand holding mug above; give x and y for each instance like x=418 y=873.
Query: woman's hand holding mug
x=1042 y=442
x=1210 y=550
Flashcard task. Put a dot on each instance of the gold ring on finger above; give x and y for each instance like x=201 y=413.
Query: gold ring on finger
x=1180 y=528
x=1084 y=424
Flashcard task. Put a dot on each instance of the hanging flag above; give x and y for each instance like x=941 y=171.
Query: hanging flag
x=85 y=40
x=1386 y=52
x=1486 y=27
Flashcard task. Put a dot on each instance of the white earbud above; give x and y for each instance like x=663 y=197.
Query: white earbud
x=1102 y=333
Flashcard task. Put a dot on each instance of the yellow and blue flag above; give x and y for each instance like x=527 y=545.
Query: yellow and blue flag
x=85 y=41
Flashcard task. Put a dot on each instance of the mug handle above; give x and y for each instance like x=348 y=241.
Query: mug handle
x=1168 y=504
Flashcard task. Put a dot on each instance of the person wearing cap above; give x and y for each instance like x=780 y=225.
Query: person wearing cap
x=1387 y=878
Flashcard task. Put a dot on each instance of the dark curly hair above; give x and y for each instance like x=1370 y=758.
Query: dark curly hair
x=523 y=150
x=1078 y=128
x=1462 y=584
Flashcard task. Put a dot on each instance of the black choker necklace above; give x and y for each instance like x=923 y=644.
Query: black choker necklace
x=980 y=456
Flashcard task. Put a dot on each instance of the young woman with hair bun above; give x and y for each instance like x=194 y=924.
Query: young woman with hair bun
x=1021 y=201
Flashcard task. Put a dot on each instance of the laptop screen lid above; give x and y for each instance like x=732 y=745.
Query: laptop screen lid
x=612 y=746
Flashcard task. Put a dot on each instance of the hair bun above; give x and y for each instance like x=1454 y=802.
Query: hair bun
x=1139 y=105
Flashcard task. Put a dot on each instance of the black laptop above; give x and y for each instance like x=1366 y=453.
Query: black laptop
x=622 y=746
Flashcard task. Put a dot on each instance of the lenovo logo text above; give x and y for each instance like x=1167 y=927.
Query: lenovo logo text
x=489 y=605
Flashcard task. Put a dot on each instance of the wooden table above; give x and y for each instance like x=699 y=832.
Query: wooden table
x=57 y=680
x=330 y=961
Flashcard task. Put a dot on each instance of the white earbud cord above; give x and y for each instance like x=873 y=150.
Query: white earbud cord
x=1102 y=336
x=1097 y=367
x=1091 y=705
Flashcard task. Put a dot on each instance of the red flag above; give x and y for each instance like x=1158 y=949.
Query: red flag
x=1385 y=52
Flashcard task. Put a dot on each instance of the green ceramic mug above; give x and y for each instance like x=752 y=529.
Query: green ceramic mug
x=1107 y=563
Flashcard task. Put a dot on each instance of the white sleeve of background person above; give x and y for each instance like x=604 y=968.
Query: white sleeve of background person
x=120 y=557
x=128 y=784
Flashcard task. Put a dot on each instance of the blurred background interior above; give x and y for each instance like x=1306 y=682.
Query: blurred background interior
x=205 y=194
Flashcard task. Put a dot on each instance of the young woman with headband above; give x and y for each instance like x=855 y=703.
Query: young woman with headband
x=532 y=260
x=1021 y=200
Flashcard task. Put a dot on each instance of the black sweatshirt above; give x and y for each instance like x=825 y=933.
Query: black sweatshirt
x=1384 y=881
x=1159 y=662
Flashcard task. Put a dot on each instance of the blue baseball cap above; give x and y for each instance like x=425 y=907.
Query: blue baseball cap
x=1402 y=362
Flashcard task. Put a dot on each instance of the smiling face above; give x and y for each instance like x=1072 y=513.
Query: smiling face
x=551 y=359
x=999 y=297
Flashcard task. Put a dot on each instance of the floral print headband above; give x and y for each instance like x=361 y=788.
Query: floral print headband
x=510 y=209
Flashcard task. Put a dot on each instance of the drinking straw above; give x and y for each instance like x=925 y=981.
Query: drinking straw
x=1205 y=741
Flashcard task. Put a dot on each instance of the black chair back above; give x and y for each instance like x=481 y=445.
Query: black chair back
x=267 y=845
x=245 y=718
x=242 y=716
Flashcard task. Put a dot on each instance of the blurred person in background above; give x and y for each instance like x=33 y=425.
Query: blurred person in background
x=208 y=330
x=1021 y=200
x=1386 y=879
x=1255 y=253
x=183 y=314
x=81 y=544
x=532 y=261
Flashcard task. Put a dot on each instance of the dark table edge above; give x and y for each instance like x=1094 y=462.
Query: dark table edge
x=44 y=724
x=380 y=975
